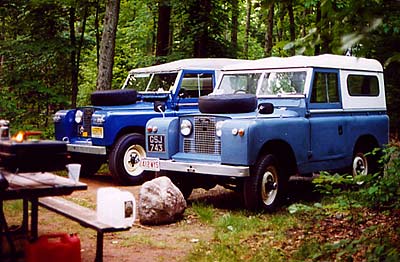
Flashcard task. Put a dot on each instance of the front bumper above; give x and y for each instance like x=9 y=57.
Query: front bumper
x=205 y=168
x=87 y=149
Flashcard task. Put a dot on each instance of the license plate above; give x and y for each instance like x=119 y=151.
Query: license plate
x=97 y=131
x=150 y=164
x=156 y=143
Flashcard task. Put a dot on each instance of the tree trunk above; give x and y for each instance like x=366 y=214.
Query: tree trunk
x=74 y=77
x=163 y=28
x=107 y=45
x=281 y=12
x=270 y=28
x=235 y=25
x=201 y=39
x=96 y=25
x=292 y=26
x=247 y=30
x=318 y=23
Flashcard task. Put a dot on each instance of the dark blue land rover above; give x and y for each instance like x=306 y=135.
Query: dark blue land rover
x=273 y=119
x=112 y=128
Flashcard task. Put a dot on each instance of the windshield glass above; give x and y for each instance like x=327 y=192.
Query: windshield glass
x=263 y=84
x=238 y=83
x=282 y=83
x=151 y=82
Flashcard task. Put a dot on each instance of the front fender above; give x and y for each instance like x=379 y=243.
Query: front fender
x=169 y=128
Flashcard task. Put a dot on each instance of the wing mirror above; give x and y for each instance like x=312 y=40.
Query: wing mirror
x=265 y=108
x=159 y=106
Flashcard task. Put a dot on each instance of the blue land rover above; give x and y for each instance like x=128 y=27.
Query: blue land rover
x=112 y=128
x=273 y=119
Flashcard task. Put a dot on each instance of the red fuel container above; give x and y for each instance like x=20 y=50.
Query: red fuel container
x=54 y=247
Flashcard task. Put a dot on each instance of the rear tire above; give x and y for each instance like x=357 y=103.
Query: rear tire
x=364 y=163
x=125 y=158
x=266 y=187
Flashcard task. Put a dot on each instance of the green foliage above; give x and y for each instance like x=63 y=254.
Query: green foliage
x=377 y=191
x=36 y=49
x=350 y=199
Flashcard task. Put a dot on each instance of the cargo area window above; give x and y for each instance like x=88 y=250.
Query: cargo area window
x=363 y=85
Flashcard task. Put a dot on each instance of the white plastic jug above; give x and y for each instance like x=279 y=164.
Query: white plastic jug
x=116 y=207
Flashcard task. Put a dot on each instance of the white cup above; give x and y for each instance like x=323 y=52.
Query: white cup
x=73 y=172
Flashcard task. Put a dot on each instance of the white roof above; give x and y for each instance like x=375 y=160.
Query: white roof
x=191 y=63
x=323 y=61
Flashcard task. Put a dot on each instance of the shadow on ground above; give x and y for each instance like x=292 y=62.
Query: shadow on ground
x=219 y=197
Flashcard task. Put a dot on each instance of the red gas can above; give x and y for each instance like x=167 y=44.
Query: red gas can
x=54 y=247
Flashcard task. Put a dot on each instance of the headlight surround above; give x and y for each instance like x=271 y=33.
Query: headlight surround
x=78 y=116
x=58 y=116
x=186 y=127
x=218 y=128
x=98 y=119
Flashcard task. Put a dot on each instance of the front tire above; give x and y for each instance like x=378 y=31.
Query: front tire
x=183 y=182
x=125 y=158
x=90 y=164
x=266 y=186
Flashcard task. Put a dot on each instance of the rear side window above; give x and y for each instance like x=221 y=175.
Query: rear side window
x=325 y=88
x=363 y=85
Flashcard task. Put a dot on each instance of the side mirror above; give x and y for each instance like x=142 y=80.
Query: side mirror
x=159 y=106
x=266 y=108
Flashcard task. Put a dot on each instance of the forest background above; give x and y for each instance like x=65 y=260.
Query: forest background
x=50 y=49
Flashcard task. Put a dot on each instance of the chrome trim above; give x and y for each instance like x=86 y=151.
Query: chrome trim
x=87 y=149
x=205 y=168
x=182 y=104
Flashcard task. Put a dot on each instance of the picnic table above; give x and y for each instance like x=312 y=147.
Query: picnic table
x=29 y=187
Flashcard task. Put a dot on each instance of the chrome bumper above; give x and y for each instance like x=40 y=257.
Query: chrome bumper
x=205 y=168
x=87 y=149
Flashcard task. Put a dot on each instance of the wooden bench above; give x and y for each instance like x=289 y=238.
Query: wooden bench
x=85 y=216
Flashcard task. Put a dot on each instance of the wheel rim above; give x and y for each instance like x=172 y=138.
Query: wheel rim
x=132 y=158
x=360 y=165
x=269 y=187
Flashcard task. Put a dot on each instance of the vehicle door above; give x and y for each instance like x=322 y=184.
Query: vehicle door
x=327 y=124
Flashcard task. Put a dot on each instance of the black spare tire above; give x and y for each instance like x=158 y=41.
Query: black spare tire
x=229 y=103
x=113 y=97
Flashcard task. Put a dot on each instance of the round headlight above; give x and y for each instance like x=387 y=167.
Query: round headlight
x=186 y=127
x=218 y=128
x=78 y=116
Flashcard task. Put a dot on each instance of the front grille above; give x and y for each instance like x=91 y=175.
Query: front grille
x=86 y=122
x=205 y=141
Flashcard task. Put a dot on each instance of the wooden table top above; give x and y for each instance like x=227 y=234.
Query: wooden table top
x=38 y=184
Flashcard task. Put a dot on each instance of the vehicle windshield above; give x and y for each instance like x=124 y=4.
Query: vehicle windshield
x=263 y=84
x=151 y=82
x=239 y=83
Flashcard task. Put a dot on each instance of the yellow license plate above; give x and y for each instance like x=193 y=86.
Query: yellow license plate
x=97 y=132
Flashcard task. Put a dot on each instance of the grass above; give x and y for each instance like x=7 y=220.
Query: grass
x=242 y=236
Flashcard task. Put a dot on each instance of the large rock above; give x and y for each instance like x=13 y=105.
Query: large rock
x=160 y=202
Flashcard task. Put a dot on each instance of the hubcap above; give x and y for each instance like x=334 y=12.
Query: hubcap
x=360 y=166
x=132 y=158
x=269 y=187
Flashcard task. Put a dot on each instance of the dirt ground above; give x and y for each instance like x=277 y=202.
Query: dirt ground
x=170 y=242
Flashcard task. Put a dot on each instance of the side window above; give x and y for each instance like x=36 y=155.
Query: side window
x=195 y=85
x=363 y=85
x=325 y=88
